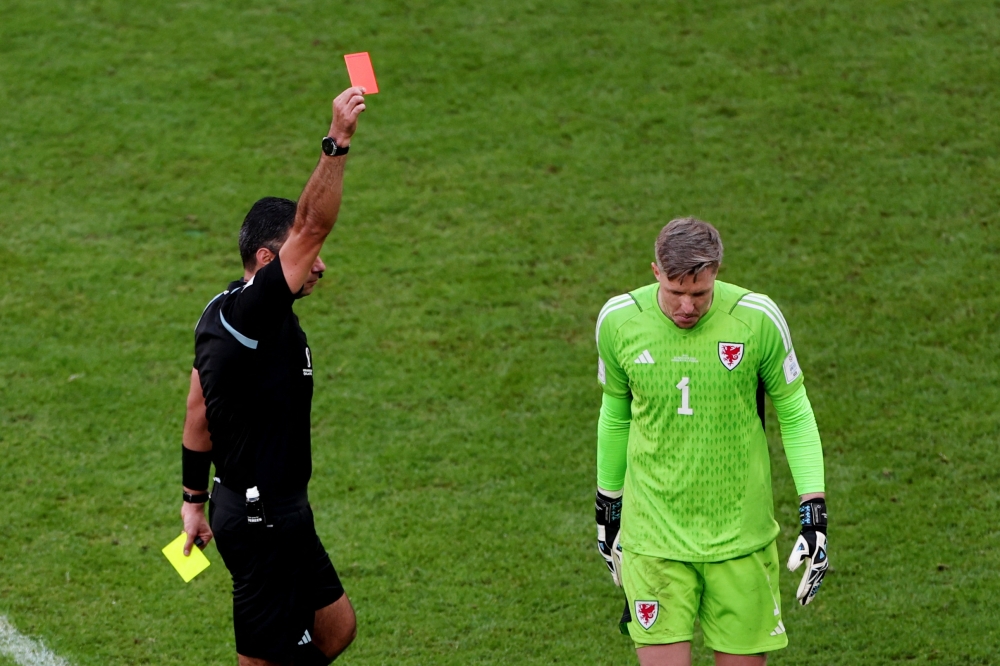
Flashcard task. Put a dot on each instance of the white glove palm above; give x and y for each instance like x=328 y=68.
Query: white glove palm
x=612 y=554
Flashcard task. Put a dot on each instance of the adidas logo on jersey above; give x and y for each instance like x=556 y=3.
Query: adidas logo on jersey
x=645 y=357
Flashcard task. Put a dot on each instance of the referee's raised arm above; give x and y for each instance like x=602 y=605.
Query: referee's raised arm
x=320 y=201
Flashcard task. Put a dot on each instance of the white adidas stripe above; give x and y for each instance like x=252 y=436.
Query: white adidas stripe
x=784 y=339
x=615 y=301
x=614 y=304
x=25 y=651
x=760 y=299
x=778 y=320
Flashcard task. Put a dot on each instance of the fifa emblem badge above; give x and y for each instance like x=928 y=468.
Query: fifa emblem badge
x=646 y=612
x=730 y=353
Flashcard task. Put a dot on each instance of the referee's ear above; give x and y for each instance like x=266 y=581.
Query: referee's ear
x=263 y=256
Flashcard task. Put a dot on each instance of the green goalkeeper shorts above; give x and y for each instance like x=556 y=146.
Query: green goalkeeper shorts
x=737 y=601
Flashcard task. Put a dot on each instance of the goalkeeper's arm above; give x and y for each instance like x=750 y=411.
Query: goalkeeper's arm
x=612 y=448
x=803 y=447
x=612 y=442
x=804 y=451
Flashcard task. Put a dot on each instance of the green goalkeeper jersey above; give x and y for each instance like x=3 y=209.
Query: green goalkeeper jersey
x=698 y=477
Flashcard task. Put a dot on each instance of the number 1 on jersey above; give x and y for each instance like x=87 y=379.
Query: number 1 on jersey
x=685 y=408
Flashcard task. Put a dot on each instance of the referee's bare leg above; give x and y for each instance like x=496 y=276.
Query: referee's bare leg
x=335 y=627
x=333 y=630
x=679 y=654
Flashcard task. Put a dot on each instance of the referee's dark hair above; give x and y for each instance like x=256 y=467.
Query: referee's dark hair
x=266 y=225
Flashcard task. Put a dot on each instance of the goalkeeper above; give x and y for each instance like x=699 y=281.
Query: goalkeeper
x=685 y=516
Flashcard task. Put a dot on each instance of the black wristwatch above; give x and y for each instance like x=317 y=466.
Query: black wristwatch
x=331 y=148
x=200 y=498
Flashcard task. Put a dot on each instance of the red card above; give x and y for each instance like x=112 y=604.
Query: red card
x=359 y=68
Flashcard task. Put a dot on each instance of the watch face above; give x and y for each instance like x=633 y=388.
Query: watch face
x=329 y=146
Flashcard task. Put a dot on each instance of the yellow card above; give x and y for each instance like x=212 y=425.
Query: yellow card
x=187 y=567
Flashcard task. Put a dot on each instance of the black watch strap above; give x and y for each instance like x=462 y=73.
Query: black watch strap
x=331 y=148
x=200 y=498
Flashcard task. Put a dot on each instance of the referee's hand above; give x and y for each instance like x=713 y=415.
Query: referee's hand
x=195 y=526
x=347 y=106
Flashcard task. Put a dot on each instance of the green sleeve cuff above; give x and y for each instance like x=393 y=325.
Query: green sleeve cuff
x=800 y=437
x=612 y=441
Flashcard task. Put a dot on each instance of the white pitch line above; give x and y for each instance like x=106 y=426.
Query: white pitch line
x=25 y=651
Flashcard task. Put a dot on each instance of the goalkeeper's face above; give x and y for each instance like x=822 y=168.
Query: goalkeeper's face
x=686 y=299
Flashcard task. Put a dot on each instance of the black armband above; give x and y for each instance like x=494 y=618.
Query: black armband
x=195 y=467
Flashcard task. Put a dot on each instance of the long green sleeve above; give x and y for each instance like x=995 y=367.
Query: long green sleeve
x=801 y=440
x=612 y=442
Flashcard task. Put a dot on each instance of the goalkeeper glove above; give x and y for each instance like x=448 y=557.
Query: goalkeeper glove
x=609 y=521
x=811 y=545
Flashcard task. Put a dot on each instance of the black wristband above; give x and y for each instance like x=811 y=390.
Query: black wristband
x=200 y=498
x=195 y=468
x=812 y=514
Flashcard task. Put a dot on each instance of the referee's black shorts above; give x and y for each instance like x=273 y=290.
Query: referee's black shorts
x=281 y=574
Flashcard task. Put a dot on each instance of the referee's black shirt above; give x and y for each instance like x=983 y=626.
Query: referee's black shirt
x=256 y=374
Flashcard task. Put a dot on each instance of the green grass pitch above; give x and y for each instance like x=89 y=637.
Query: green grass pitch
x=508 y=179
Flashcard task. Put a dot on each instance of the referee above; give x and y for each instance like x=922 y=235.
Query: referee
x=248 y=412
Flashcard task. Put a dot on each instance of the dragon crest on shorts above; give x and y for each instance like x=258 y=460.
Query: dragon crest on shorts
x=646 y=612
